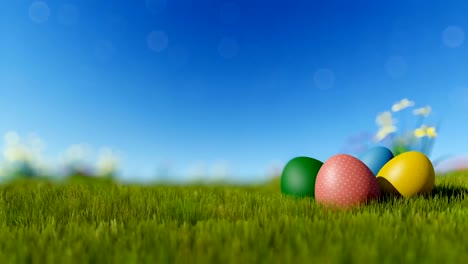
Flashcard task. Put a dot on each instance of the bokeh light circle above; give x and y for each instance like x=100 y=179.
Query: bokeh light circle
x=157 y=40
x=453 y=36
x=228 y=48
x=324 y=79
x=39 y=12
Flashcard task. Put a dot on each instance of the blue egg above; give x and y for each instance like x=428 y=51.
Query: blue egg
x=376 y=157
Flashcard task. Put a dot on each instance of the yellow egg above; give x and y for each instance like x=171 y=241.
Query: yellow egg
x=408 y=174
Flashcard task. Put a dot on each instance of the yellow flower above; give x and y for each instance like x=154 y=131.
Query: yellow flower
x=425 y=131
x=424 y=111
x=420 y=132
x=404 y=103
x=431 y=132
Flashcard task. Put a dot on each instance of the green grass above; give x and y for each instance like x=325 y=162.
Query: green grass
x=43 y=222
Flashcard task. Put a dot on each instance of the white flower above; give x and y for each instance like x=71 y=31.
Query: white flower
x=423 y=111
x=16 y=153
x=15 y=150
x=11 y=138
x=385 y=119
x=31 y=151
x=107 y=162
x=387 y=125
x=404 y=103
x=384 y=132
x=76 y=153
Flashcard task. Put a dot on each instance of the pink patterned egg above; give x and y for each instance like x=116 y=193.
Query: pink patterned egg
x=345 y=181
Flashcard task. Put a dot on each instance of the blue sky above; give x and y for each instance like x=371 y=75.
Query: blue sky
x=243 y=83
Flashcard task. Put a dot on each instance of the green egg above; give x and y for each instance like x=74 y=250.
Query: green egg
x=298 y=177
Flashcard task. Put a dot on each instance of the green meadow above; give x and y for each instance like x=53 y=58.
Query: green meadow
x=84 y=222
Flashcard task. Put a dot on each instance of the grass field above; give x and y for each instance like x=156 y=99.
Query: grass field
x=44 y=222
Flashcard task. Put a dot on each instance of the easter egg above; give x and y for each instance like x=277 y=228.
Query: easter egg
x=298 y=177
x=375 y=158
x=345 y=181
x=408 y=174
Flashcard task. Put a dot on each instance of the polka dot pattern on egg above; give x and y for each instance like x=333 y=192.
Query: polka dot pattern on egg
x=343 y=180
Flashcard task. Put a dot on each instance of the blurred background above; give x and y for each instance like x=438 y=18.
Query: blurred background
x=206 y=90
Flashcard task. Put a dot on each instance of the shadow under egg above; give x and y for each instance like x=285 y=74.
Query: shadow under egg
x=386 y=187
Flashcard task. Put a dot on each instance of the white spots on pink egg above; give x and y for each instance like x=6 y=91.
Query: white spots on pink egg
x=344 y=180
